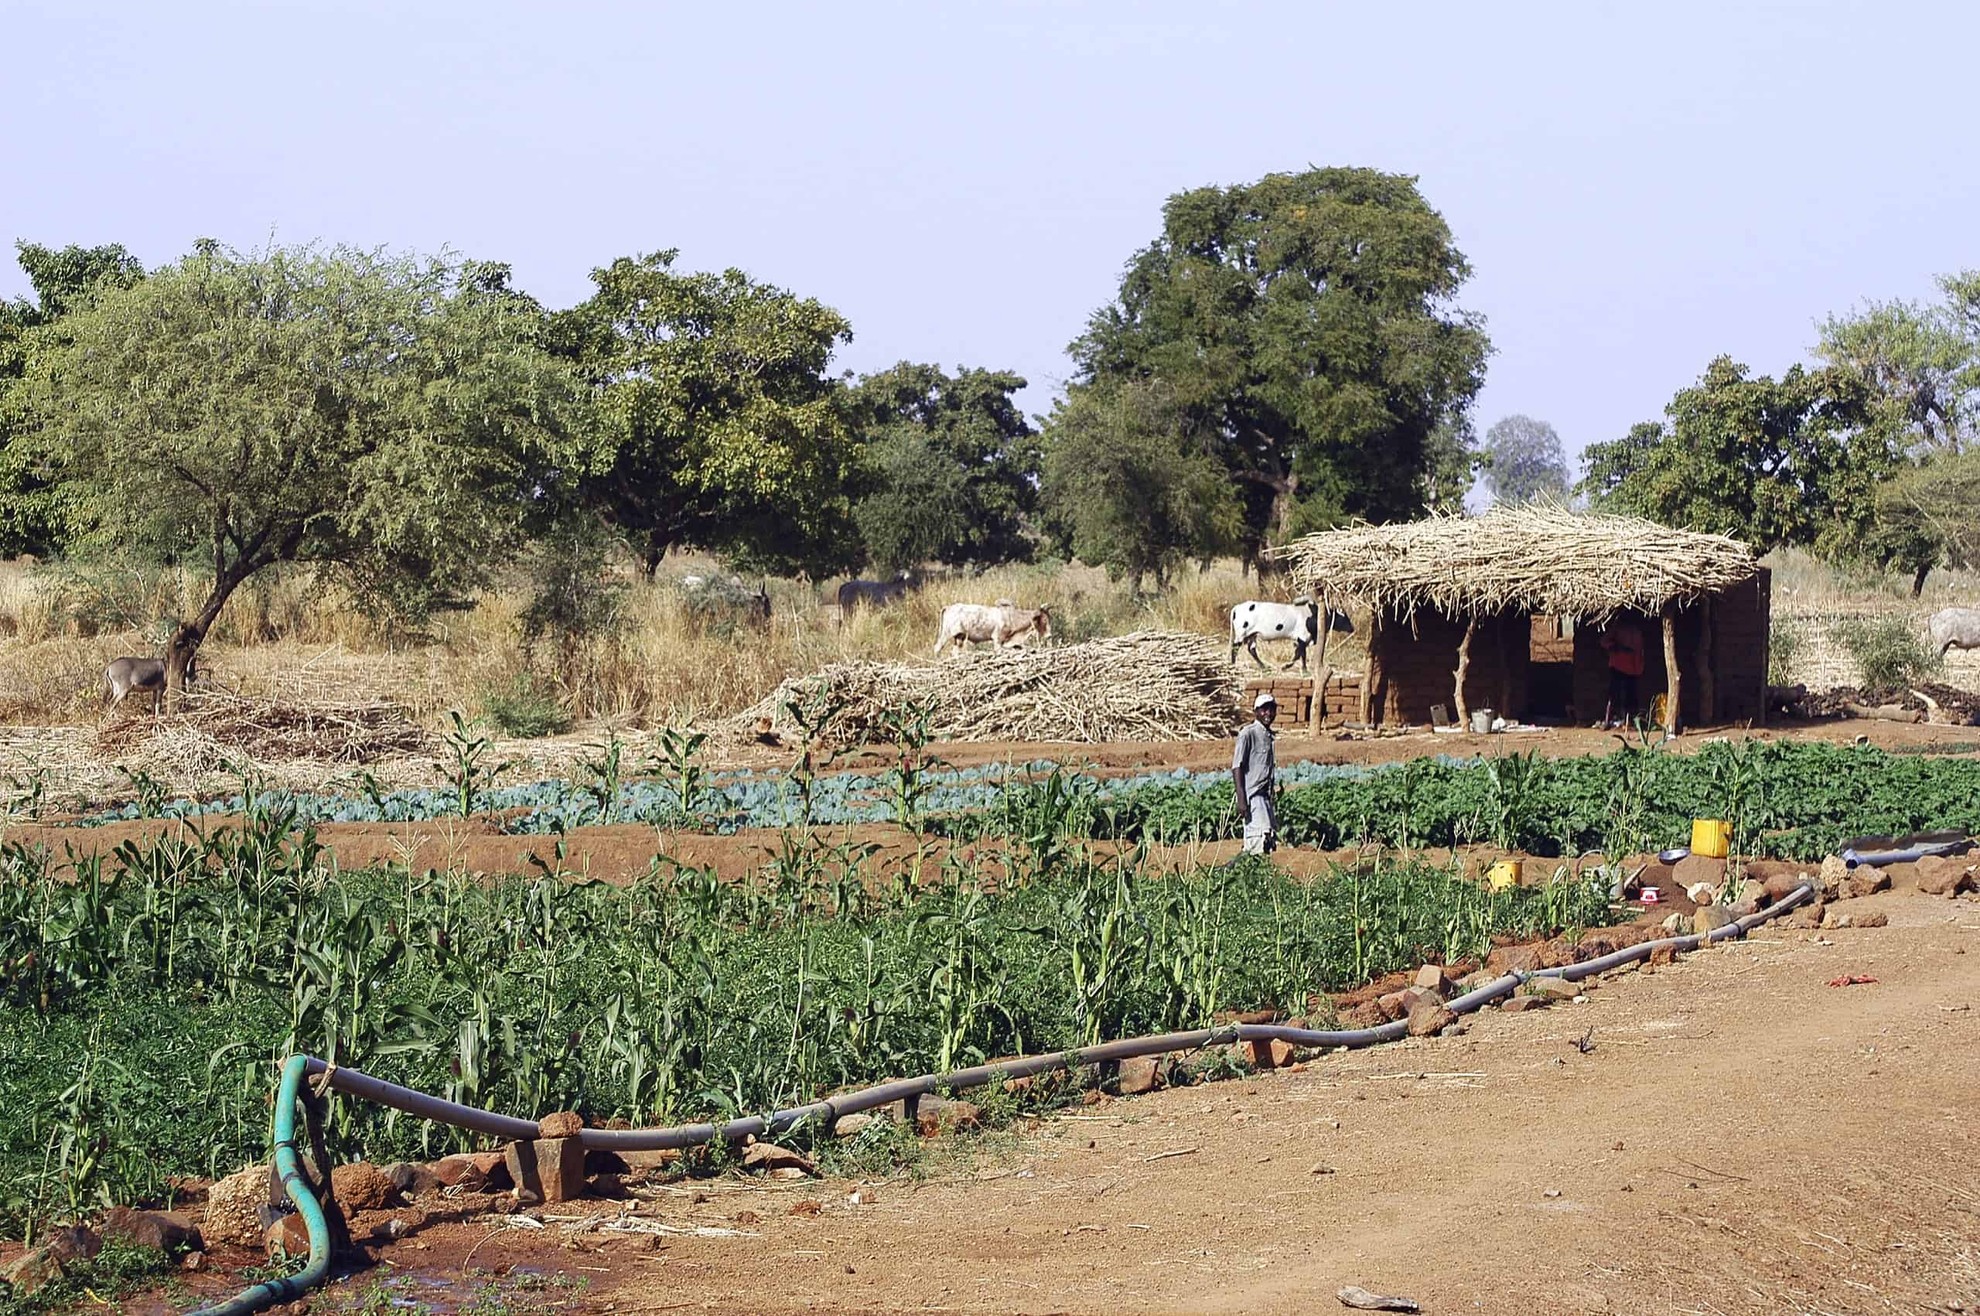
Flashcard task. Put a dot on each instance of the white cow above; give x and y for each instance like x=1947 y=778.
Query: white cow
x=1002 y=623
x=1298 y=621
x=1954 y=628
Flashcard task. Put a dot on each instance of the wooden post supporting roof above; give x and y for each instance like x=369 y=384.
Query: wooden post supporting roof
x=1372 y=669
x=1671 y=678
x=1464 y=663
x=1708 y=712
x=1321 y=672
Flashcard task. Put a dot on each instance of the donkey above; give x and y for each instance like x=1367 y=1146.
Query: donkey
x=142 y=675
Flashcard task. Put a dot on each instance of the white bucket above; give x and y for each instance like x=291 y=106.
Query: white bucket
x=1481 y=720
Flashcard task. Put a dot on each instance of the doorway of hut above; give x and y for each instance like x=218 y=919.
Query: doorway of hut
x=1550 y=669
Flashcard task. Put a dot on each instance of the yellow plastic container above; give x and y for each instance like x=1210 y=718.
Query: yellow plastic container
x=1710 y=837
x=1503 y=874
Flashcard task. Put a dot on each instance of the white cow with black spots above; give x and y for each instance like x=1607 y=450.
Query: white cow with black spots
x=1298 y=621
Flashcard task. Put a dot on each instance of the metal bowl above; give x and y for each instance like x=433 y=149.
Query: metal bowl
x=1673 y=854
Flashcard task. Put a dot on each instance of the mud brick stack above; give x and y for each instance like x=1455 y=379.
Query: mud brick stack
x=1295 y=696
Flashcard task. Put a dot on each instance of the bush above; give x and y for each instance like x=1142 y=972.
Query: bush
x=1785 y=645
x=1886 y=650
x=572 y=594
x=523 y=708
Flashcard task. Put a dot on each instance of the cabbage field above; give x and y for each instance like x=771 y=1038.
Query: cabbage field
x=1789 y=799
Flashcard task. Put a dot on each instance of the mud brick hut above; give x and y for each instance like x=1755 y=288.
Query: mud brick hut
x=1507 y=611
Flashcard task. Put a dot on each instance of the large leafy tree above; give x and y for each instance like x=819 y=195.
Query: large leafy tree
x=1524 y=460
x=1306 y=323
x=1129 y=485
x=718 y=423
x=33 y=514
x=1450 y=465
x=1921 y=362
x=390 y=417
x=952 y=466
x=1792 y=460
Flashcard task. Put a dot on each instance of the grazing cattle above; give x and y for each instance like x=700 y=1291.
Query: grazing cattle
x=1298 y=621
x=1003 y=623
x=1954 y=628
x=141 y=675
x=873 y=593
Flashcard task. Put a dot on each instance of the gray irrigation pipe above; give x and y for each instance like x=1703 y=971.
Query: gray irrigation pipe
x=356 y=1083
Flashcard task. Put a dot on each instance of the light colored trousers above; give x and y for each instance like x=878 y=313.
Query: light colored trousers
x=1259 y=825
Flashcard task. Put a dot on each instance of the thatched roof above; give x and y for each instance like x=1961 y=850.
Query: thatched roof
x=1535 y=559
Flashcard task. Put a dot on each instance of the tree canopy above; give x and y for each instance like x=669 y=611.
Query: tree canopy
x=34 y=516
x=952 y=467
x=718 y=425
x=1305 y=323
x=1788 y=461
x=1130 y=487
x=389 y=416
x=1922 y=363
x=1524 y=460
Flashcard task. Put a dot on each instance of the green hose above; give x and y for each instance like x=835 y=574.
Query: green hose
x=288 y=1169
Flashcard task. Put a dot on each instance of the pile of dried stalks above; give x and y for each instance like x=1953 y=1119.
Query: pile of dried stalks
x=1151 y=685
x=215 y=723
x=1537 y=558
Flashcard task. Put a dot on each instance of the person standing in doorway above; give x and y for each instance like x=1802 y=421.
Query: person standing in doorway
x=1252 y=778
x=1623 y=642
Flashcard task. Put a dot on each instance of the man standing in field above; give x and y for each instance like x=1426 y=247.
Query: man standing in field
x=1252 y=768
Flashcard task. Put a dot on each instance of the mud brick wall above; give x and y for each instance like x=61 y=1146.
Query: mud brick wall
x=1737 y=654
x=1742 y=621
x=1414 y=662
x=1295 y=696
x=1546 y=643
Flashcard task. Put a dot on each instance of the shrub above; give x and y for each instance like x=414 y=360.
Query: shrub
x=1886 y=650
x=1785 y=645
x=523 y=708
x=571 y=593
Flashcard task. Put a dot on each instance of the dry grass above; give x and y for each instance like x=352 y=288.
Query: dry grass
x=291 y=640
x=1803 y=583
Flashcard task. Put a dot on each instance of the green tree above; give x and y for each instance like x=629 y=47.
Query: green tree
x=1129 y=487
x=1773 y=462
x=1306 y=324
x=718 y=424
x=952 y=467
x=33 y=516
x=1451 y=461
x=1922 y=363
x=1524 y=460
x=1608 y=466
x=388 y=417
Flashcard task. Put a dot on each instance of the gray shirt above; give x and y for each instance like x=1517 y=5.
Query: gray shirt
x=1253 y=757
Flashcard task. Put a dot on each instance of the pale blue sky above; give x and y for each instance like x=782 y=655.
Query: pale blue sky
x=1638 y=187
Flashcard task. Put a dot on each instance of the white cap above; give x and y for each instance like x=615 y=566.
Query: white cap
x=1264 y=699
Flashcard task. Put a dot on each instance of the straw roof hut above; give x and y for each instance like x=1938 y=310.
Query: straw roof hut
x=1539 y=559
x=1455 y=578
